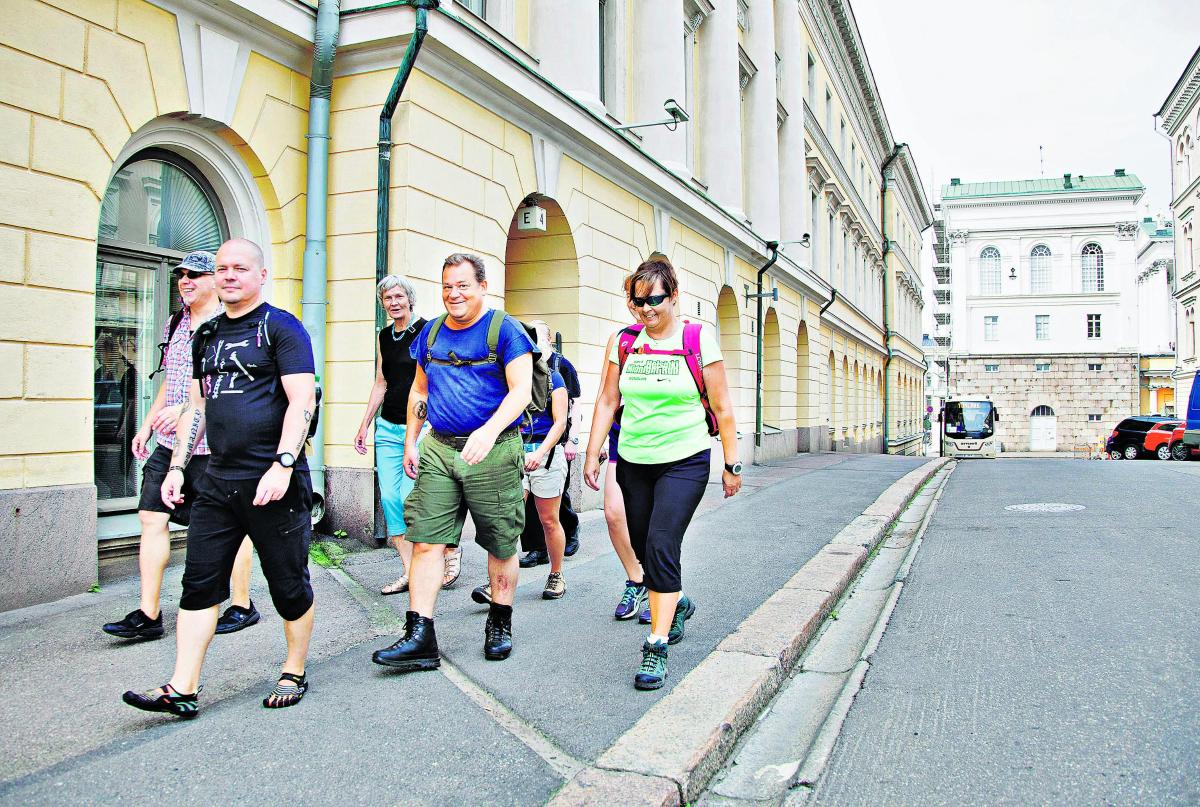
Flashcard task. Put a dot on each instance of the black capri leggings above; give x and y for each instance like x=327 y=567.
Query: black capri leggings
x=660 y=500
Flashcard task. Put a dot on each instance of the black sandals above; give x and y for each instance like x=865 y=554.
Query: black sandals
x=287 y=694
x=168 y=700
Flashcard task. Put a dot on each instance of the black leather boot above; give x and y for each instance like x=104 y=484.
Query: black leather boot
x=497 y=633
x=417 y=648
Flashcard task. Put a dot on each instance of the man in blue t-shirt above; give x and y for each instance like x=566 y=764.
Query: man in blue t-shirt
x=254 y=394
x=472 y=462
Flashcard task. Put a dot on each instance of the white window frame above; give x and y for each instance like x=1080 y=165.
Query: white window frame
x=991 y=328
x=1041 y=327
x=1039 y=270
x=1042 y=367
x=991 y=368
x=1093 y=319
x=1091 y=267
x=989 y=271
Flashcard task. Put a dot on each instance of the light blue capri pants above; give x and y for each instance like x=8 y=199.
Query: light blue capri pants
x=394 y=484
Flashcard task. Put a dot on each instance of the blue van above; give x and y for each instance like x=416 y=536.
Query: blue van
x=1191 y=435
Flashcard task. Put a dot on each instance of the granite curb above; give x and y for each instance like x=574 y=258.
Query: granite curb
x=685 y=738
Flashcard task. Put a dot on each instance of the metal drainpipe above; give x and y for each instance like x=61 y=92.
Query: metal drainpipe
x=383 y=197
x=758 y=424
x=313 y=296
x=887 y=331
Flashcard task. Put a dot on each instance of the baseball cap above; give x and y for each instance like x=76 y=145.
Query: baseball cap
x=199 y=261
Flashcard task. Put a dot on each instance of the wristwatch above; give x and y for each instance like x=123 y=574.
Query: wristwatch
x=286 y=459
x=735 y=468
x=575 y=440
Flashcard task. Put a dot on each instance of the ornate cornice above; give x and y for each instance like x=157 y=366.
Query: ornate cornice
x=1182 y=97
x=958 y=237
x=1126 y=230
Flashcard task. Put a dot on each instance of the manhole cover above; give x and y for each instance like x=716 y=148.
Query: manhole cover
x=1044 y=507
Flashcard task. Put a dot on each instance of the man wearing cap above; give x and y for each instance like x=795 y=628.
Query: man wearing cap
x=197 y=290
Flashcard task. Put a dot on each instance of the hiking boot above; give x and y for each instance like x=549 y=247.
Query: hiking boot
x=555 y=587
x=497 y=633
x=136 y=625
x=535 y=557
x=572 y=545
x=632 y=600
x=417 y=648
x=683 y=612
x=236 y=618
x=482 y=594
x=653 y=672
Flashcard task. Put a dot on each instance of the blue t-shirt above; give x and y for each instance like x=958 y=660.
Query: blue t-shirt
x=461 y=399
x=544 y=419
x=239 y=363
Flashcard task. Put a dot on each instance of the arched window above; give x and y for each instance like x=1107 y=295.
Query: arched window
x=1042 y=411
x=989 y=271
x=1093 y=267
x=1039 y=269
x=156 y=209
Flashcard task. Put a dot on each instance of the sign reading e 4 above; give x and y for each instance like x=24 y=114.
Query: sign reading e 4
x=531 y=218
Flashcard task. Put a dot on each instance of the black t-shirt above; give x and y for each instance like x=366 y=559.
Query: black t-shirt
x=239 y=363
x=399 y=369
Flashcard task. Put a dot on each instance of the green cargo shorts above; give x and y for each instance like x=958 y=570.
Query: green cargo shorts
x=447 y=488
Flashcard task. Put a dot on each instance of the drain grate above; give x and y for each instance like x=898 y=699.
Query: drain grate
x=1044 y=507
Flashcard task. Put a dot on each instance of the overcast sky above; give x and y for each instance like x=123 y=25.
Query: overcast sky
x=975 y=86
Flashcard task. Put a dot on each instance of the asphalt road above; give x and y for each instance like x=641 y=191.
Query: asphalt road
x=1038 y=657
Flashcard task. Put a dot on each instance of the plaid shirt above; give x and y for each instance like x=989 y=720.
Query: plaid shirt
x=177 y=367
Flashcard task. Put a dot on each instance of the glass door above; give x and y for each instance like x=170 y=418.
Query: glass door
x=128 y=329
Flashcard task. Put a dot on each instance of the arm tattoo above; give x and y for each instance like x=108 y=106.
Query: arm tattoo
x=420 y=410
x=186 y=446
x=304 y=433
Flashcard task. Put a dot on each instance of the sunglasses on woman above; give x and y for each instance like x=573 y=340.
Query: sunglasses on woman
x=180 y=273
x=652 y=300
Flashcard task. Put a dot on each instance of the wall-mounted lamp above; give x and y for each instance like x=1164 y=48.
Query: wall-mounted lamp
x=1012 y=273
x=677 y=116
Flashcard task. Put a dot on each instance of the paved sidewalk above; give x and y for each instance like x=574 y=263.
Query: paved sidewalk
x=476 y=732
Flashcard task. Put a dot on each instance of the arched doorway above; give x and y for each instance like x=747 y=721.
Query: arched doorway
x=804 y=414
x=729 y=331
x=844 y=413
x=829 y=398
x=772 y=371
x=857 y=418
x=157 y=208
x=1043 y=429
x=541 y=276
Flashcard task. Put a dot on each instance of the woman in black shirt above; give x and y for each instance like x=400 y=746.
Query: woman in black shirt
x=394 y=371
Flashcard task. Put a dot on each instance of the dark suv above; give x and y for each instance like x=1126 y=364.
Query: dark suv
x=1128 y=439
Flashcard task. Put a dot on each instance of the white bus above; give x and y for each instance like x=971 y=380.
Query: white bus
x=968 y=427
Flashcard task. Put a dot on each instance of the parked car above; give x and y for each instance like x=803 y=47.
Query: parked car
x=1158 y=439
x=1179 y=449
x=1128 y=438
x=1191 y=431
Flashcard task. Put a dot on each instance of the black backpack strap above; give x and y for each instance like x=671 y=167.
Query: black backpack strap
x=172 y=326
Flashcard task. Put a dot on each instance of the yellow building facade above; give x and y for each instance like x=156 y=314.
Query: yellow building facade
x=142 y=131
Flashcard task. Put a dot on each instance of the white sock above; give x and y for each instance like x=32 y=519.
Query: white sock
x=652 y=639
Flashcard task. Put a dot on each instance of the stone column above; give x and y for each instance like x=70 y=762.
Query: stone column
x=762 y=130
x=565 y=38
x=794 y=215
x=720 y=108
x=658 y=75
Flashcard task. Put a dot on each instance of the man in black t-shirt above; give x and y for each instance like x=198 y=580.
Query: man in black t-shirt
x=254 y=395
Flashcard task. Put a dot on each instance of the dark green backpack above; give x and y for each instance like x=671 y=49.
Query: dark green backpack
x=541 y=369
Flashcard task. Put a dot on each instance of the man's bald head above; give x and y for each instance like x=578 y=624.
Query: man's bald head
x=248 y=251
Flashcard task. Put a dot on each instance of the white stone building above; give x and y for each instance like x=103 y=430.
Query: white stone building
x=1155 y=266
x=1042 y=307
x=1179 y=117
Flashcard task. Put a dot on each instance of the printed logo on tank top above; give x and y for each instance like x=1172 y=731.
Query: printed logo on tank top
x=647 y=366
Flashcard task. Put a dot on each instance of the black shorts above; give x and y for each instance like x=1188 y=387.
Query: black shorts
x=223 y=513
x=153 y=474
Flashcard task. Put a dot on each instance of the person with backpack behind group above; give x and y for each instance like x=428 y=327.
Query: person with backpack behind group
x=670 y=376
x=198 y=294
x=474 y=381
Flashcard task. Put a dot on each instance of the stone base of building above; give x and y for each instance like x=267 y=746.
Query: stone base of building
x=1071 y=404
x=33 y=570
x=350 y=502
x=779 y=445
x=809 y=439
